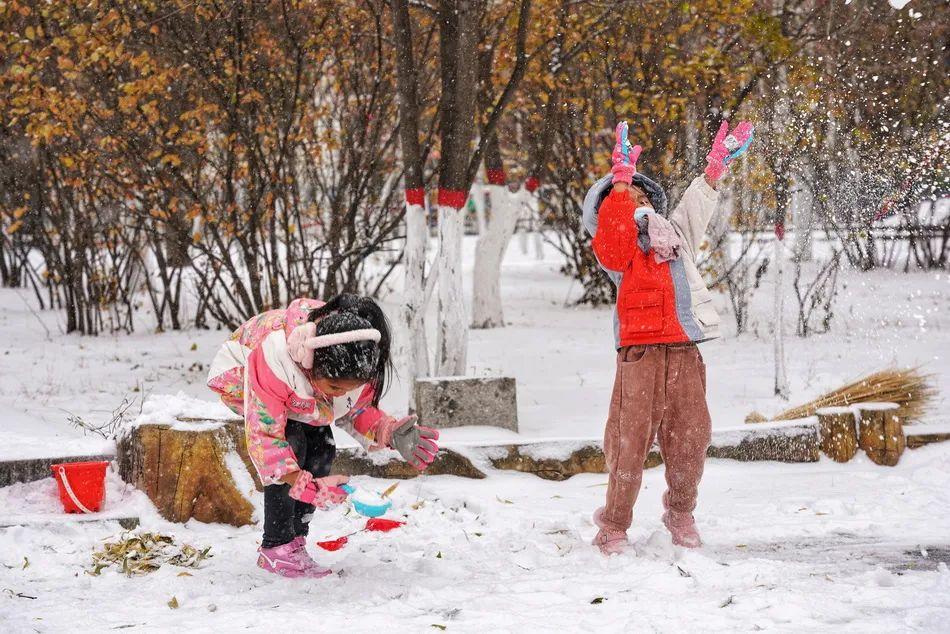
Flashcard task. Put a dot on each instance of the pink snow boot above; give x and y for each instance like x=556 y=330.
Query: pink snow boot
x=315 y=569
x=608 y=540
x=682 y=527
x=285 y=561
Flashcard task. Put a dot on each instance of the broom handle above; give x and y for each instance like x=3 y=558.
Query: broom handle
x=69 y=491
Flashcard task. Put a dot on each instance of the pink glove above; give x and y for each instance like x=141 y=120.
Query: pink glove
x=727 y=147
x=324 y=493
x=624 y=157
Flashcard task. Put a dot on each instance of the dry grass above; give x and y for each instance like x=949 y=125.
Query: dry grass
x=141 y=553
x=909 y=388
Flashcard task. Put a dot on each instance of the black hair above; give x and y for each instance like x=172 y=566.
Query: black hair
x=368 y=361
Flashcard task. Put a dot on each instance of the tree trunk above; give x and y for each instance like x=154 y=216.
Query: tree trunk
x=487 y=309
x=417 y=227
x=803 y=214
x=478 y=198
x=457 y=53
x=778 y=319
x=453 y=333
x=839 y=439
x=532 y=208
x=417 y=234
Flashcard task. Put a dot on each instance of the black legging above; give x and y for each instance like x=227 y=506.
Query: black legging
x=284 y=517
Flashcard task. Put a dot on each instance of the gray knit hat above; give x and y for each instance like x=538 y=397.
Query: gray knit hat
x=653 y=191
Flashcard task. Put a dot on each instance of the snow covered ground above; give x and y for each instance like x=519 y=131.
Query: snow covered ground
x=822 y=547
x=561 y=356
x=803 y=547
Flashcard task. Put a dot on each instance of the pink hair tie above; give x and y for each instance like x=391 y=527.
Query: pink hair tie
x=302 y=341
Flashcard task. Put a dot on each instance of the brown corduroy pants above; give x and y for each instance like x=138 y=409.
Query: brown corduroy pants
x=658 y=390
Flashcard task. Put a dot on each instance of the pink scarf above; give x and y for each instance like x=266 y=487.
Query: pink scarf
x=661 y=236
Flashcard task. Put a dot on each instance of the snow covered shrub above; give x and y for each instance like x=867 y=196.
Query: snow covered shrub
x=158 y=174
x=816 y=296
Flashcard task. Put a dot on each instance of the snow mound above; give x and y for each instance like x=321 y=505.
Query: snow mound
x=170 y=409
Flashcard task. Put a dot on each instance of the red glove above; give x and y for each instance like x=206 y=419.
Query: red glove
x=324 y=493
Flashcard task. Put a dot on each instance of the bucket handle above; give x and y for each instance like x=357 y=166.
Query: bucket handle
x=69 y=491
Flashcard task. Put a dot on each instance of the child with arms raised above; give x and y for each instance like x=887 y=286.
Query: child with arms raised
x=663 y=310
x=290 y=373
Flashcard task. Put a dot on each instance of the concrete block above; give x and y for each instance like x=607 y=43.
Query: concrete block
x=459 y=400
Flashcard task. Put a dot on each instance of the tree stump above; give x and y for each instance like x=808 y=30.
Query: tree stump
x=192 y=470
x=880 y=433
x=839 y=438
x=784 y=441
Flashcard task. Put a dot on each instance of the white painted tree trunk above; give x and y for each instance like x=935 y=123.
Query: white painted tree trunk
x=781 y=378
x=531 y=209
x=478 y=197
x=803 y=213
x=538 y=245
x=417 y=237
x=453 y=327
x=523 y=240
x=487 y=311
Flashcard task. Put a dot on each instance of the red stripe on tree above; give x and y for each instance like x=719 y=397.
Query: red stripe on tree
x=496 y=176
x=780 y=230
x=454 y=198
x=416 y=197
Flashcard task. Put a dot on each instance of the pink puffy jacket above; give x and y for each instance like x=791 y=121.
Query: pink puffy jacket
x=257 y=379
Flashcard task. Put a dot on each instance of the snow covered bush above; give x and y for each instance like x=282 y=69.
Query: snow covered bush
x=234 y=159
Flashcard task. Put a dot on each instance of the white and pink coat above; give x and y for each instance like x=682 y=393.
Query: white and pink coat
x=256 y=378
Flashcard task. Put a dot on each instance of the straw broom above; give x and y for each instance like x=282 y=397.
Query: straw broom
x=908 y=388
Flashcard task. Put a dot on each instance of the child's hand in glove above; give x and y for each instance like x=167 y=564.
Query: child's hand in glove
x=324 y=493
x=415 y=443
x=727 y=147
x=624 y=156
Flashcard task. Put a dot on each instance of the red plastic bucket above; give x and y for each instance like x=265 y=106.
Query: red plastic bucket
x=82 y=485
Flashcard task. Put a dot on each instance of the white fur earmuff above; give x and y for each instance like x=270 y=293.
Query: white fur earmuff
x=303 y=341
